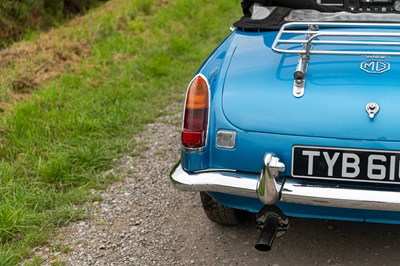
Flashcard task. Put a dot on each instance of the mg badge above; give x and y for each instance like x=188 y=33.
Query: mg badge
x=375 y=66
x=372 y=109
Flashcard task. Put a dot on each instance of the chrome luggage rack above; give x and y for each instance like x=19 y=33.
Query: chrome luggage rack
x=328 y=38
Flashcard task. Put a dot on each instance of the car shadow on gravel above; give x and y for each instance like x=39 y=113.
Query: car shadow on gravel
x=313 y=242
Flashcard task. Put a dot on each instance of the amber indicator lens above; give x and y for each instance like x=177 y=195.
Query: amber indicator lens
x=197 y=96
x=195 y=121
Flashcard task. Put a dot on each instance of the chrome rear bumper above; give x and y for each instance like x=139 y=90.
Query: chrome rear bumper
x=268 y=190
x=239 y=184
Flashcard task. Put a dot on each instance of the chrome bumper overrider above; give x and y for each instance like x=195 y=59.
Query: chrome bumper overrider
x=267 y=188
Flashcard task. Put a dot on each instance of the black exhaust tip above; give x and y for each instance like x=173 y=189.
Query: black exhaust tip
x=267 y=237
x=272 y=223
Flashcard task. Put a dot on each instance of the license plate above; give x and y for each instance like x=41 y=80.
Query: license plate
x=361 y=165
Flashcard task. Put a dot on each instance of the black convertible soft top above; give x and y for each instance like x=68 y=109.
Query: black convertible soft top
x=276 y=17
x=292 y=4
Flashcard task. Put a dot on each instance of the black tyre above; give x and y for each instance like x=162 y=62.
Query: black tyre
x=221 y=214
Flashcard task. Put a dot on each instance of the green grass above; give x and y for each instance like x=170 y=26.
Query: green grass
x=57 y=145
x=25 y=17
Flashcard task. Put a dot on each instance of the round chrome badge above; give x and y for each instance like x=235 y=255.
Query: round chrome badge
x=372 y=109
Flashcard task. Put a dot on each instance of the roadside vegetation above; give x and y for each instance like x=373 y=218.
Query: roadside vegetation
x=18 y=18
x=73 y=98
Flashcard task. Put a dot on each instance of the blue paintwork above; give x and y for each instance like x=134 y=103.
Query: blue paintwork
x=260 y=81
x=251 y=93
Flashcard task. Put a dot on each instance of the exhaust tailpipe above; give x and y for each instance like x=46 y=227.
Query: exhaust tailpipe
x=272 y=223
x=267 y=237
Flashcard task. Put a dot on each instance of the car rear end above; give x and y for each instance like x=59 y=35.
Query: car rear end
x=301 y=122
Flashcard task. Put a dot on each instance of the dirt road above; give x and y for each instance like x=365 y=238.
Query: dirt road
x=144 y=221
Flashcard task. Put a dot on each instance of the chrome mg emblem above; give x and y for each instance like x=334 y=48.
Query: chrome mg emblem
x=375 y=66
x=372 y=109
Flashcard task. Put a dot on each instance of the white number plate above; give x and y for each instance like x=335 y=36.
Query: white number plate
x=363 y=165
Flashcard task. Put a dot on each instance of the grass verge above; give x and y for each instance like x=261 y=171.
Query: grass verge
x=18 y=18
x=57 y=144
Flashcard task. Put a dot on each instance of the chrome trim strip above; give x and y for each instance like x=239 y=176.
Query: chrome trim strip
x=338 y=5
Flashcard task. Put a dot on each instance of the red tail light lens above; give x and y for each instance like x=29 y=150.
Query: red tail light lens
x=195 y=121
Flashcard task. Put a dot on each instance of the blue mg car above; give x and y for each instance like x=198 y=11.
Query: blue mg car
x=297 y=114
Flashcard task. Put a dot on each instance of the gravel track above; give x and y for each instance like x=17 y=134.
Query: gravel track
x=145 y=221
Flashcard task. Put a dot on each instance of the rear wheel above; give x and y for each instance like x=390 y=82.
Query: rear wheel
x=221 y=214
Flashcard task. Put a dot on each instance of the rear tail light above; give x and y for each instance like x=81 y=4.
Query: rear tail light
x=195 y=122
